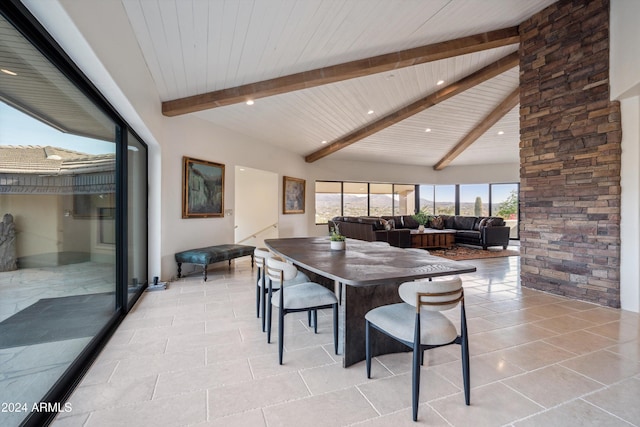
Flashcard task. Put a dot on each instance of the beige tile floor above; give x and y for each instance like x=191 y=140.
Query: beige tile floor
x=194 y=354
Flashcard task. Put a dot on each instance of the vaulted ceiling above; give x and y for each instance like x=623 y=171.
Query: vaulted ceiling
x=208 y=57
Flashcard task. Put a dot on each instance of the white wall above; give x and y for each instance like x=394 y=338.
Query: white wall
x=35 y=233
x=327 y=169
x=624 y=57
x=193 y=137
x=630 y=205
x=256 y=208
x=625 y=87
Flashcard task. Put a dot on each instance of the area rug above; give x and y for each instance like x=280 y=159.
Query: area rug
x=57 y=319
x=458 y=253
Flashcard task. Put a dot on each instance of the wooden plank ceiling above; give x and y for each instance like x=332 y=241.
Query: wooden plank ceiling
x=347 y=80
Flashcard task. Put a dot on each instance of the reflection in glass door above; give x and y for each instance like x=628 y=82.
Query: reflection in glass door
x=58 y=195
x=136 y=216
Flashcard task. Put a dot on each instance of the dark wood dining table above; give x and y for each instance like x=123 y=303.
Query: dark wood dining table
x=371 y=273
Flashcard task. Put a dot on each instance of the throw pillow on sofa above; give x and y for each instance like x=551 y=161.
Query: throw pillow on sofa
x=388 y=224
x=436 y=223
x=495 y=222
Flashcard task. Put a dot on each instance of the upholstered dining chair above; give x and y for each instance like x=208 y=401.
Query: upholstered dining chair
x=418 y=324
x=261 y=255
x=292 y=298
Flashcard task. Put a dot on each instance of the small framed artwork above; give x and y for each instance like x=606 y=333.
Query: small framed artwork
x=293 y=195
x=202 y=188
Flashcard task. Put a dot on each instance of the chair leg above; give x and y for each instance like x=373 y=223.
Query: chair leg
x=367 y=327
x=258 y=298
x=309 y=317
x=417 y=357
x=335 y=327
x=268 y=317
x=280 y=334
x=465 y=371
x=315 y=321
x=263 y=300
x=415 y=392
x=465 y=358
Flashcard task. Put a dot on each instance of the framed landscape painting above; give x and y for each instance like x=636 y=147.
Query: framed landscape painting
x=293 y=195
x=202 y=188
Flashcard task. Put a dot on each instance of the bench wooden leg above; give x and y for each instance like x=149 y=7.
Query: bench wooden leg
x=179 y=270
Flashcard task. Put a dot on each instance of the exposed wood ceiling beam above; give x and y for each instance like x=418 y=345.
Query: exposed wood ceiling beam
x=484 y=74
x=345 y=71
x=499 y=112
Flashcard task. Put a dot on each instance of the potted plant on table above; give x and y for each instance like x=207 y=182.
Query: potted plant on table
x=422 y=219
x=338 y=241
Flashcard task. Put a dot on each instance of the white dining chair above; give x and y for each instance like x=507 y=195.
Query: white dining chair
x=418 y=324
x=292 y=298
x=260 y=256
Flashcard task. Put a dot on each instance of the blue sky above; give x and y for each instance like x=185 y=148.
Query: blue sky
x=469 y=192
x=17 y=128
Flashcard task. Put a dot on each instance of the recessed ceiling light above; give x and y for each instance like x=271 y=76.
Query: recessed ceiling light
x=439 y=82
x=241 y=169
x=427 y=130
x=370 y=112
x=11 y=73
x=501 y=132
x=324 y=141
x=250 y=102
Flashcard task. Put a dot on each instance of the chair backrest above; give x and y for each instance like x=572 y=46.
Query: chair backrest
x=435 y=295
x=279 y=271
x=260 y=254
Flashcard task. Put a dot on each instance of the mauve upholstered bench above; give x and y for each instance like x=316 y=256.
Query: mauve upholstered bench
x=206 y=256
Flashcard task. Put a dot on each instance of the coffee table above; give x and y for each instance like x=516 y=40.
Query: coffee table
x=432 y=238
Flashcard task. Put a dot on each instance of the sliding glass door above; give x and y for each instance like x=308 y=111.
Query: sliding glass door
x=73 y=233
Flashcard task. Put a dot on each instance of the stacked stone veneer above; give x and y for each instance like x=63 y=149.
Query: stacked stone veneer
x=569 y=154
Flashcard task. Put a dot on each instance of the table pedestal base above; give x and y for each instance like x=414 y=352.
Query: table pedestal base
x=357 y=302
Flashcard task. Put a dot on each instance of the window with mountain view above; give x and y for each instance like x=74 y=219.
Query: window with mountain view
x=504 y=203
x=404 y=199
x=380 y=199
x=445 y=200
x=355 y=200
x=474 y=199
x=328 y=201
x=427 y=198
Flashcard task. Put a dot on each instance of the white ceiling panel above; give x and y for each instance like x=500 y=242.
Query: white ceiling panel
x=196 y=46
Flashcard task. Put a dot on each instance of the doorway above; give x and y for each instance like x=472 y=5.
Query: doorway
x=256 y=206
